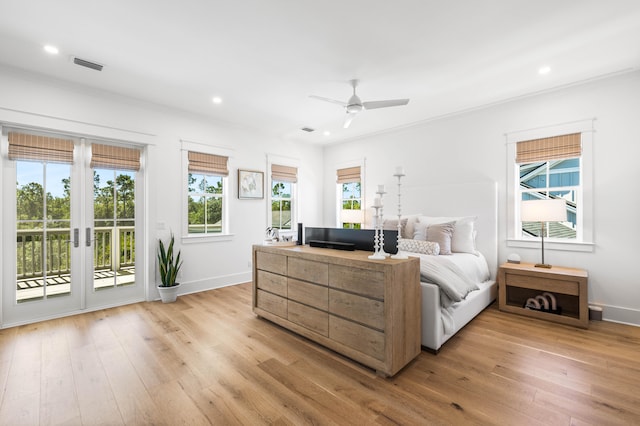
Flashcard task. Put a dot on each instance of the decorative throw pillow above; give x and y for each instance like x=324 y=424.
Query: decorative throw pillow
x=392 y=225
x=463 y=238
x=441 y=233
x=417 y=246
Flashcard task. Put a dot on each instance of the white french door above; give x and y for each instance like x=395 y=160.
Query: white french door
x=70 y=232
x=112 y=234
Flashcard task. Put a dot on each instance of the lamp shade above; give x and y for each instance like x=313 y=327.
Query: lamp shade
x=352 y=216
x=551 y=210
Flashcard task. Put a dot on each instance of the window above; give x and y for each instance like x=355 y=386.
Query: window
x=283 y=182
x=549 y=168
x=552 y=166
x=206 y=194
x=350 y=190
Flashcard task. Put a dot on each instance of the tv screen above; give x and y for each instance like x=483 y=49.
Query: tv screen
x=363 y=239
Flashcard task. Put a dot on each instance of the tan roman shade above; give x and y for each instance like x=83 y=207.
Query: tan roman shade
x=545 y=149
x=23 y=146
x=208 y=163
x=115 y=157
x=349 y=174
x=284 y=173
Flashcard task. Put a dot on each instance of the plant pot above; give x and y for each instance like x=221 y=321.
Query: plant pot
x=168 y=294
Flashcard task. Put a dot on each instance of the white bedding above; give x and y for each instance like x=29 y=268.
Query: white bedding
x=456 y=275
x=468 y=268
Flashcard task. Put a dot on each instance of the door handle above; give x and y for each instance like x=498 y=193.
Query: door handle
x=88 y=237
x=76 y=237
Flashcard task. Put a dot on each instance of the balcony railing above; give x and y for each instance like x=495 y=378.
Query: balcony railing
x=108 y=240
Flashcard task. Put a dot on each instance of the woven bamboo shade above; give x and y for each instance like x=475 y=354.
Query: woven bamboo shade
x=284 y=173
x=23 y=146
x=115 y=157
x=545 y=149
x=349 y=174
x=208 y=163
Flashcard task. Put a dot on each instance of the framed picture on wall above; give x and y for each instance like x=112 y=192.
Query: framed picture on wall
x=250 y=184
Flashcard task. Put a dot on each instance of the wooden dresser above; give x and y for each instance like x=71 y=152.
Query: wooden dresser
x=367 y=310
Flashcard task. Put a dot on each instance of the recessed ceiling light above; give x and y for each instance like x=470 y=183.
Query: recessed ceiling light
x=327 y=133
x=216 y=100
x=544 y=70
x=51 y=49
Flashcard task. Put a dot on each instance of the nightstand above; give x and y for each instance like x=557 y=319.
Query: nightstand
x=519 y=282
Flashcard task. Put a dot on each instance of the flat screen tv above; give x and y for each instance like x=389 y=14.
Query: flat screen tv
x=361 y=238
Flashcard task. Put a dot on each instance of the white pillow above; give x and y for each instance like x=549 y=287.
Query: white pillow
x=409 y=228
x=420 y=231
x=463 y=239
x=417 y=246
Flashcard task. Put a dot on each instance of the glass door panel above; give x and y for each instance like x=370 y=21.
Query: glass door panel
x=43 y=229
x=113 y=228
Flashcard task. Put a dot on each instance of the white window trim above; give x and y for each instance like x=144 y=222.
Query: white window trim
x=353 y=163
x=295 y=200
x=225 y=235
x=585 y=215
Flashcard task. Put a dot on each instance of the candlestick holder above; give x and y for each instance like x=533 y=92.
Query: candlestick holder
x=399 y=254
x=381 y=193
x=376 y=238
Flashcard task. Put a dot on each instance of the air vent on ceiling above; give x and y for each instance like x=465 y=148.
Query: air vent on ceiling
x=87 y=64
x=308 y=129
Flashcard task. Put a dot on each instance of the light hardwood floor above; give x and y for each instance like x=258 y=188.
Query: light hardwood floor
x=207 y=359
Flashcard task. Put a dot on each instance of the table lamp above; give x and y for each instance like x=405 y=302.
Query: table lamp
x=548 y=210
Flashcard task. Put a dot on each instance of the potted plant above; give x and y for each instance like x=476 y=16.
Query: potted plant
x=169 y=267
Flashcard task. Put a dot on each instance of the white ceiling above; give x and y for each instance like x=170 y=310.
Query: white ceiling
x=264 y=58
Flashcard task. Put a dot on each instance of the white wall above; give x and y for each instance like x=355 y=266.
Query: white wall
x=471 y=147
x=30 y=100
x=462 y=148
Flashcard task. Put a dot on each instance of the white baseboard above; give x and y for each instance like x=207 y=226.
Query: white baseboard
x=619 y=314
x=212 y=283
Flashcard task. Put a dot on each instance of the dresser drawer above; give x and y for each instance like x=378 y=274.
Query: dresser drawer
x=308 y=270
x=313 y=295
x=275 y=263
x=362 y=281
x=543 y=284
x=271 y=303
x=357 y=308
x=313 y=319
x=356 y=336
x=272 y=283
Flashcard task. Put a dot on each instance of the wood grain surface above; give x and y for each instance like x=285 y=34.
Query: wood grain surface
x=207 y=359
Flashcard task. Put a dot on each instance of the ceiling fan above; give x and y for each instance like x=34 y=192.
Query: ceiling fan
x=354 y=105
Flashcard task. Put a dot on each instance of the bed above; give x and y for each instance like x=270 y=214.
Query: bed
x=465 y=211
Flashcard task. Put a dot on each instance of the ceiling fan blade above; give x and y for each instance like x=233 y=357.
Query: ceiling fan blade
x=385 y=104
x=348 y=119
x=333 y=101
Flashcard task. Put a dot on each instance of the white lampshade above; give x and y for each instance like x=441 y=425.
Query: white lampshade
x=552 y=210
x=352 y=216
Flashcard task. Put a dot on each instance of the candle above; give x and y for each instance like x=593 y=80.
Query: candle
x=399 y=170
x=377 y=202
x=380 y=189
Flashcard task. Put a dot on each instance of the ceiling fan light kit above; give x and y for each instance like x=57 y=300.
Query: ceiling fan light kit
x=355 y=105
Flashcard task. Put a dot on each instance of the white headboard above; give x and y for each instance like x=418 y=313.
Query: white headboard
x=457 y=199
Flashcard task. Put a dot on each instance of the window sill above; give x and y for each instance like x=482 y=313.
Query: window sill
x=207 y=238
x=553 y=245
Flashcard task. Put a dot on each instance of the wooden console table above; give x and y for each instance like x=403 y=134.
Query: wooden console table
x=367 y=310
x=518 y=282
